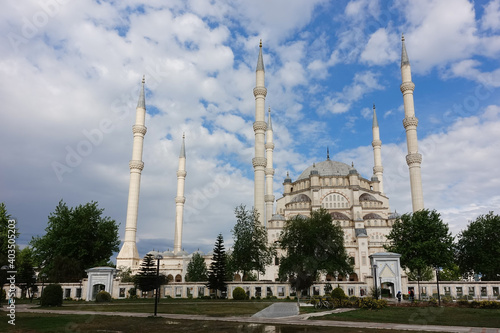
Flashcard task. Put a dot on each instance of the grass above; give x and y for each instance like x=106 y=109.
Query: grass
x=45 y=323
x=448 y=316
x=217 y=308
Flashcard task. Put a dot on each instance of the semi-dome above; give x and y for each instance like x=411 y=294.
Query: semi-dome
x=327 y=168
x=301 y=198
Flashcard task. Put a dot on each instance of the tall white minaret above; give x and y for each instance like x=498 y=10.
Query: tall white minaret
x=259 y=127
x=269 y=198
x=414 y=158
x=129 y=256
x=378 y=170
x=180 y=199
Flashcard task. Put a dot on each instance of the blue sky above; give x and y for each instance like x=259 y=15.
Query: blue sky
x=72 y=71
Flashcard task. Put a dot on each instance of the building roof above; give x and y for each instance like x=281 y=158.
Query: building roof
x=327 y=168
x=301 y=198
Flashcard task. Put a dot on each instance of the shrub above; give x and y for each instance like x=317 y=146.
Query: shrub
x=132 y=293
x=446 y=299
x=489 y=305
x=103 y=297
x=239 y=294
x=371 y=303
x=52 y=295
x=3 y=294
x=338 y=293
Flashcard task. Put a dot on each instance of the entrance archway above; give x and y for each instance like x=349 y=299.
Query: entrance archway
x=96 y=288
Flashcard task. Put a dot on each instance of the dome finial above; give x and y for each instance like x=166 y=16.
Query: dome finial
x=327 y=153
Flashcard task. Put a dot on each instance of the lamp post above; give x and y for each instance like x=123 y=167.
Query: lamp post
x=158 y=257
x=418 y=285
x=42 y=277
x=437 y=281
x=81 y=290
x=375 y=280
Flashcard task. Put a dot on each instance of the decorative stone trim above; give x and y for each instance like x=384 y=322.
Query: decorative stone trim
x=136 y=165
x=410 y=121
x=259 y=125
x=269 y=171
x=269 y=198
x=139 y=129
x=378 y=168
x=376 y=143
x=269 y=145
x=413 y=158
x=259 y=161
x=180 y=200
x=181 y=173
x=407 y=87
x=260 y=91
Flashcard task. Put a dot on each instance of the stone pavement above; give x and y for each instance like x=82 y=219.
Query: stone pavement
x=287 y=320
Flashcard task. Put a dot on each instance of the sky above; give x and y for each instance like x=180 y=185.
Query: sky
x=71 y=74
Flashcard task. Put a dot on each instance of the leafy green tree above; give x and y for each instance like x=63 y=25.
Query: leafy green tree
x=8 y=231
x=426 y=274
x=478 y=247
x=312 y=245
x=423 y=240
x=26 y=277
x=217 y=271
x=76 y=239
x=196 y=269
x=450 y=273
x=125 y=274
x=146 y=279
x=251 y=251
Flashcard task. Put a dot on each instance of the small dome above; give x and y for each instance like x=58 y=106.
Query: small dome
x=181 y=253
x=301 y=198
x=372 y=216
x=154 y=253
x=367 y=197
x=199 y=252
x=278 y=217
x=167 y=254
x=288 y=179
x=394 y=216
x=339 y=216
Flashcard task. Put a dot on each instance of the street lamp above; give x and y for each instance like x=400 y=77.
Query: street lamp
x=375 y=280
x=81 y=290
x=437 y=281
x=158 y=257
x=42 y=277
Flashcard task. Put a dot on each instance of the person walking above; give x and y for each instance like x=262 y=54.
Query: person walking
x=399 y=297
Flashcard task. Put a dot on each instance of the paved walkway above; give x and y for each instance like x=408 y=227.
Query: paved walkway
x=286 y=320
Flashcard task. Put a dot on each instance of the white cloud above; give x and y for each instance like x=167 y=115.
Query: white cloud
x=491 y=17
x=380 y=49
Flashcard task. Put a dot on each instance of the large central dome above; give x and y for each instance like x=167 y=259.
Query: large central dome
x=327 y=168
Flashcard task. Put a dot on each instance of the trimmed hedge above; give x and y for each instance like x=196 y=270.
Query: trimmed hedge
x=52 y=295
x=338 y=293
x=239 y=294
x=103 y=297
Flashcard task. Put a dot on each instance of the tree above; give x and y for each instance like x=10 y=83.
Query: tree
x=478 y=248
x=8 y=248
x=125 y=274
x=251 y=251
x=76 y=239
x=312 y=245
x=146 y=279
x=423 y=240
x=26 y=277
x=450 y=273
x=426 y=274
x=217 y=271
x=196 y=269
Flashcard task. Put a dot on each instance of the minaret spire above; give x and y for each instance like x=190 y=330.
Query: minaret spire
x=129 y=256
x=410 y=122
x=327 y=153
x=377 y=156
x=269 y=171
x=259 y=126
x=180 y=199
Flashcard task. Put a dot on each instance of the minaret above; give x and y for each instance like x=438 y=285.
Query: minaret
x=129 y=256
x=259 y=127
x=269 y=198
x=378 y=170
x=180 y=199
x=414 y=158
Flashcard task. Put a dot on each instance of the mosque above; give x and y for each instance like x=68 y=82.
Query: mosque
x=358 y=204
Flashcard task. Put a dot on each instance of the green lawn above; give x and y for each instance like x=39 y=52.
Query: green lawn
x=449 y=316
x=45 y=323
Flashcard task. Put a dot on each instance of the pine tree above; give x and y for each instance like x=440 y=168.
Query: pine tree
x=217 y=271
x=146 y=279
